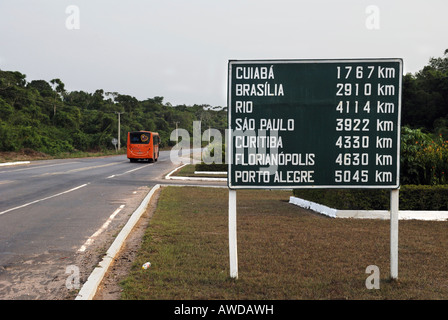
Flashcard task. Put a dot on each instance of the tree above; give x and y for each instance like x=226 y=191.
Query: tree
x=5 y=110
x=440 y=64
x=425 y=96
x=42 y=86
x=59 y=88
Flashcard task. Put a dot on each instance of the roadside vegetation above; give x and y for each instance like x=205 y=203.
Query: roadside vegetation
x=30 y=155
x=43 y=116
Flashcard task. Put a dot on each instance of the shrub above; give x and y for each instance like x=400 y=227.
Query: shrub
x=211 y=167
x=214 y=166
x=347 y=199
x=8 y=138
x=424 y=158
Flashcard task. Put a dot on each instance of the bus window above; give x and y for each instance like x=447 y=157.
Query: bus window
x=140 y=137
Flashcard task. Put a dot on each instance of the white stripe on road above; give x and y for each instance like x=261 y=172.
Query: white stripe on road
x=43 y=199
x=74 y=170
x=38 y=167
x=103 y=227
x=129 y=171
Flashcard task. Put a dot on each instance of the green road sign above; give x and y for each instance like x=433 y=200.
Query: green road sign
x=314 y=123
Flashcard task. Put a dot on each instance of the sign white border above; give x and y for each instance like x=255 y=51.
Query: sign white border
x=310 y=61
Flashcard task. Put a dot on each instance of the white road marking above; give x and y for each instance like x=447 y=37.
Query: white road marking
x=74 y=170
x=129 y=171
x=43 y=199
x=100 y=230
x=38 y=167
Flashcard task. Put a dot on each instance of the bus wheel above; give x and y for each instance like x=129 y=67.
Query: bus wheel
x=133 y=160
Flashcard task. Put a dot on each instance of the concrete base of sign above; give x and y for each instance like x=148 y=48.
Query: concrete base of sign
x=370 y=214
x=313 y=206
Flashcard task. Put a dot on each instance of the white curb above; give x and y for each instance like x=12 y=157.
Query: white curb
x=370 y=214
x=169 y=177
x=13 y=163
x=211 y=172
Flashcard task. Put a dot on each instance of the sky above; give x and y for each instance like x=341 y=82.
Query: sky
x=179 y=49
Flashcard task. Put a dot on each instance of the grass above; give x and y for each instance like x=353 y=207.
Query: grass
x=186 y=171
x=284 y=252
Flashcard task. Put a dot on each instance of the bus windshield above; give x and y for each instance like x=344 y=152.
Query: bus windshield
x=140 y=137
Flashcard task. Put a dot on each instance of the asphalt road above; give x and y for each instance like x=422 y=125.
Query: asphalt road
x=57 y=218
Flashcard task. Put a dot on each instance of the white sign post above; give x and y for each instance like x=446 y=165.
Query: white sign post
x=114 y=142
x=232 y=235
x=394 y=201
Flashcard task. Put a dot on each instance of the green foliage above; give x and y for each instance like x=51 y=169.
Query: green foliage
x=5 y=110
x=218 y=165
x=8 y=138
x=424 y=197
x=211 y=167
x=425 y=97
x=424 y=158
x=412 y=197
x=348 y=199
x=43 y=116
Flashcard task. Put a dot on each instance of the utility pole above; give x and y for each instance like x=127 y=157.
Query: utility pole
x=119 y=113
x=177 y=134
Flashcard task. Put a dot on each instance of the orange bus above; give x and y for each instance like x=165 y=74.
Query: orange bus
x=143 y=145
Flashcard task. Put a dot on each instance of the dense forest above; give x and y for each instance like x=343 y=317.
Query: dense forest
x=43 y=116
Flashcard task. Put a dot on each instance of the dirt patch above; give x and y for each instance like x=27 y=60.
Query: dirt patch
x=38 y=277
x=110 y=288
